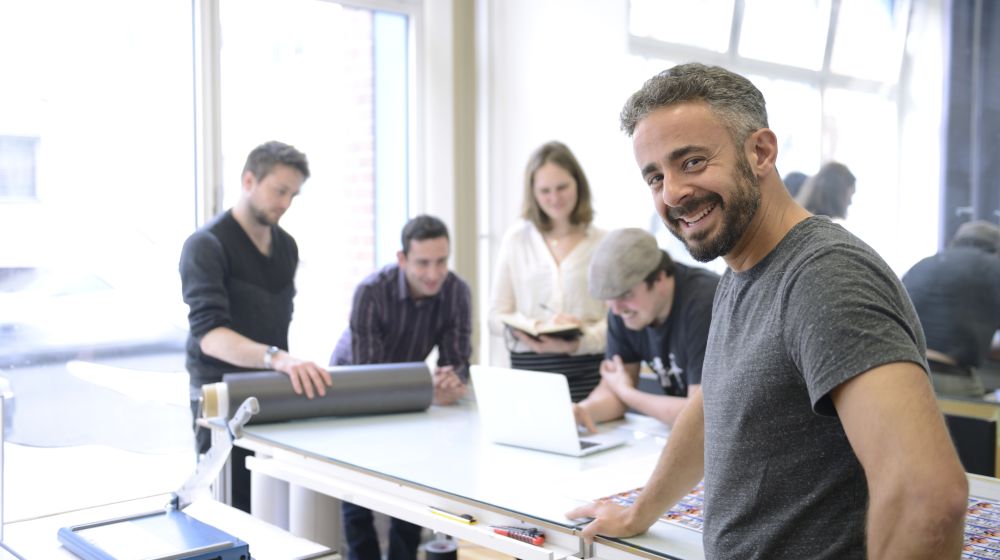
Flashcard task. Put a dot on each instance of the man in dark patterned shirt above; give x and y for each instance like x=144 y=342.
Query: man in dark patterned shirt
x=400 y=314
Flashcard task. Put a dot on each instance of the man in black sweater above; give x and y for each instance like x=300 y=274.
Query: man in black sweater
x=237 y=275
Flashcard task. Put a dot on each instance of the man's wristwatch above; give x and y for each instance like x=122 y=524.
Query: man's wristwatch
x=268 y=354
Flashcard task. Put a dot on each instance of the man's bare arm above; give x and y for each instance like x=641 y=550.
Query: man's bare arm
x=680 y=467
x=917 y=487
x=665 y=408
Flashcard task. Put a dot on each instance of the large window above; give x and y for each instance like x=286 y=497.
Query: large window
x=839 y=88
x=90 y=323
x=332 y=81
x=102 y=117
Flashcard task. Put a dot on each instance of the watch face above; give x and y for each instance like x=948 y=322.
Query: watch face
x=268 y=354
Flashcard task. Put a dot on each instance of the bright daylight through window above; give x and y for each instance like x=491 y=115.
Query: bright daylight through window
x=99 y=188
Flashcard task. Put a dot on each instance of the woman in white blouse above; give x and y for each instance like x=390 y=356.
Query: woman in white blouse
x=541 y=273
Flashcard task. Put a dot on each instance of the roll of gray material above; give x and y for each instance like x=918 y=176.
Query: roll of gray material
x=355 y=390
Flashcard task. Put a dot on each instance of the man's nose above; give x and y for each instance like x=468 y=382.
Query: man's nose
x=438 y=272
x=674 y=191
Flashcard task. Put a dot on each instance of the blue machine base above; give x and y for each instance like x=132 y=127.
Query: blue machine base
x=165 y=534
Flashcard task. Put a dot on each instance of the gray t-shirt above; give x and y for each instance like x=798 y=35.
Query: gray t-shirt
x=781 y=479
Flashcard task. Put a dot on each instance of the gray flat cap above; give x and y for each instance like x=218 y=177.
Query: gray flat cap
x=978 y=233
x=623 y=259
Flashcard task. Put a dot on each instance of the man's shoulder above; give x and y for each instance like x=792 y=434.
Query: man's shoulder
x=620 y=333
x=821 y=233
x=379 y=288
x=216 y=230
x=456 y=282
x=208 y=237
x=383 y=277
x=817 y=247
x=696 y=283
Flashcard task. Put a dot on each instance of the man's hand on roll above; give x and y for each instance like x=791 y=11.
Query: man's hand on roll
x=448 y=388
x=305 y=376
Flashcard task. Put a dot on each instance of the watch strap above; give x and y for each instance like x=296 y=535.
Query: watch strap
x=269 y=354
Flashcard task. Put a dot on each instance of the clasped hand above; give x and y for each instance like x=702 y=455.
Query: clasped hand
x=614 y=374
x=448 y=388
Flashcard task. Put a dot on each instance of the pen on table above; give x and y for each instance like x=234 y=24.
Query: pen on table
x=460 y=517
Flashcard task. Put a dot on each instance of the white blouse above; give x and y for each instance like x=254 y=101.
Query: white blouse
x=528 y=280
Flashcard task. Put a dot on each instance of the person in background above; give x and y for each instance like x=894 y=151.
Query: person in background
x=793 y=182
x=400 y=314
x=659 y=313
x=957 y=296
x=237 y=277
x=829 y=191
x=816 y=430
x=541 y=273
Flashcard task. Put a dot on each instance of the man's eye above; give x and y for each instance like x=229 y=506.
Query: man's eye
x=693 y=164
x=654 y=181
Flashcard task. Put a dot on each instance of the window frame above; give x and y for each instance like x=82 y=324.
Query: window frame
x=207 y=68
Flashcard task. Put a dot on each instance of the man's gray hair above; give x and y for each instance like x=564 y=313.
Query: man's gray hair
x=736 y=101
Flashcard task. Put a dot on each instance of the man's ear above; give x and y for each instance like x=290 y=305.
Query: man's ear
x=763 y=151
x=248 y=181
x=401 y=258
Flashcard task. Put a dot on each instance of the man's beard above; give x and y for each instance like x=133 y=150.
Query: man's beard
x=261 y=216
x=736 y=216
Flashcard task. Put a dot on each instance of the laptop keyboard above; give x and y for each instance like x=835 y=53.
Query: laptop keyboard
x=584 y=444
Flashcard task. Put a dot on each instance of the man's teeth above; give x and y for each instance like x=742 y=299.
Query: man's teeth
x=697 y=217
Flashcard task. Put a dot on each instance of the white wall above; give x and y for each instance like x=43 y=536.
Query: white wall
x=555 y=70
x=557 y=73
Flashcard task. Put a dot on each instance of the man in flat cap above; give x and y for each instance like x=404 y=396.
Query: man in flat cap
x=957 y=296
x=659 y=313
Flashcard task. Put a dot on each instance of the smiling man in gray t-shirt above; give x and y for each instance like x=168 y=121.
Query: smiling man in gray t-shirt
x=816 y=430
x=834 y=310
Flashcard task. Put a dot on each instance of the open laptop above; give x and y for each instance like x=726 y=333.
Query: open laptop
x=533 y=409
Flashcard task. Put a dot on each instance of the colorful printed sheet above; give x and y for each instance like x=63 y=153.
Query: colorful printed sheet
x=982 y=530
x=982 y=522
x=687 y=513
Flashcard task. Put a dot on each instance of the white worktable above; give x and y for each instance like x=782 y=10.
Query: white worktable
x=401 y=464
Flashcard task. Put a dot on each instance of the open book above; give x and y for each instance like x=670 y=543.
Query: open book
x=568 y=331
